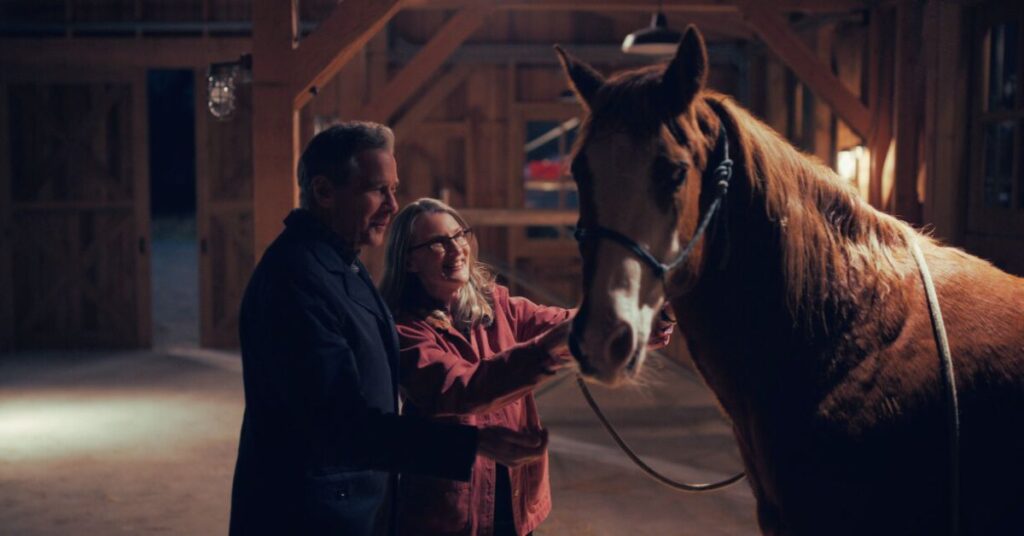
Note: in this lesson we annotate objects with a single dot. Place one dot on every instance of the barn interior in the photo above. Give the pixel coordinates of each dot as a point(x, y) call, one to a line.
point(147, 158)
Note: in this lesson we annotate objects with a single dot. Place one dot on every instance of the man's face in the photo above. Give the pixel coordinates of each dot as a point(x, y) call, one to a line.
point(363, 207)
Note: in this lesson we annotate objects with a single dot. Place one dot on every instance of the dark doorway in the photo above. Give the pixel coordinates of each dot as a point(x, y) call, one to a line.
point(172, 157)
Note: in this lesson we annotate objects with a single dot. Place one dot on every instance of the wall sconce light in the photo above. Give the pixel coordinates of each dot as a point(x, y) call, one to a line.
point(851, 162)
point(222, 80)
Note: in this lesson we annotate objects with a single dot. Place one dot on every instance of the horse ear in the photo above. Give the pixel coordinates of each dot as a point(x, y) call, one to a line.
point(687, 73)
point(583, 79)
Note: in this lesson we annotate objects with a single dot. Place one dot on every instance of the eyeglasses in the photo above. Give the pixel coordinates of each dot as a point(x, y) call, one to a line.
point(441, 244)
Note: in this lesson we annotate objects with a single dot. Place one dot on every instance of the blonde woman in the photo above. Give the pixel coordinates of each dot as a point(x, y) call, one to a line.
point(469, 354)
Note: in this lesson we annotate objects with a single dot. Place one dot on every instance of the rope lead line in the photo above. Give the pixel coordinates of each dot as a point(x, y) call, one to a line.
point(948, 379)
point(678, 486)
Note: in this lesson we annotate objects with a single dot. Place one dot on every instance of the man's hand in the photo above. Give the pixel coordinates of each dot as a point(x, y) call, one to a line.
point(662, 330)
point(511, 448)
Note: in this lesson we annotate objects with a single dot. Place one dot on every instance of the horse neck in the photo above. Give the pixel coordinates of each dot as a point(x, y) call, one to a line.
point(773, 316)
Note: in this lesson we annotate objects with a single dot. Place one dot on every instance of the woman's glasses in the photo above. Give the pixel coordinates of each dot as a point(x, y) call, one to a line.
point(441, 244)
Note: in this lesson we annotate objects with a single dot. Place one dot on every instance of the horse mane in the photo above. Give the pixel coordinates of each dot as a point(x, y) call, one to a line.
point(838, 253)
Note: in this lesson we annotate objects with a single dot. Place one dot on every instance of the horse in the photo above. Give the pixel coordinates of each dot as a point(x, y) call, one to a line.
point(803, 310)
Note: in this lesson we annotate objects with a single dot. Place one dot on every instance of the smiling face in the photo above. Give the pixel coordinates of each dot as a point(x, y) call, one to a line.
point(360, 210)
point(440, 255)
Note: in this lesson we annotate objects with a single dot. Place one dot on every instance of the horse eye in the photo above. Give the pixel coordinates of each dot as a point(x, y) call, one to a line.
point(671, 173)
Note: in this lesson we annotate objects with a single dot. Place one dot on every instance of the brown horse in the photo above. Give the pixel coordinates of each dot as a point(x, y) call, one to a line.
point(803, 310)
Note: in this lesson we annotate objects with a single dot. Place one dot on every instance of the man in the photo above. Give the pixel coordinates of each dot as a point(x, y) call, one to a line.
point(321, 441)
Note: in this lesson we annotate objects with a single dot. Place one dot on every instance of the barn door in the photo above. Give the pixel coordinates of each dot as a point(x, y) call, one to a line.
point(74, 203)
point(223, 215)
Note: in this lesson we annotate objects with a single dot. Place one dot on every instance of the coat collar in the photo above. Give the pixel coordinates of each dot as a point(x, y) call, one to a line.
point(329, 248)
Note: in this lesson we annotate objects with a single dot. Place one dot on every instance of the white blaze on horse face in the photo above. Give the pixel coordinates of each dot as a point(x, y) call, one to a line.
point(624, 295)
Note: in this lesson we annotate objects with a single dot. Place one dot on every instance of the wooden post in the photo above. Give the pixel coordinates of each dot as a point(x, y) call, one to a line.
point(946, 114)
point(909, 88)
point(6, 232)
point(285, 78)
point(880, 94)
point(275, 121)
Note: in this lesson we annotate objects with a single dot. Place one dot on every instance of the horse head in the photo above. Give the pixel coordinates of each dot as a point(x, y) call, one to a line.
point(646, 151)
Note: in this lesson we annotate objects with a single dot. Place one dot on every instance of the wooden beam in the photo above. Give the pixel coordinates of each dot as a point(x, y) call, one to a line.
point(275, 122)
point(150, 52)
point(335, 42)
point(426, 62)
point(700, 6)
point(909, 89)
point(7, 260)
point(496, 217)
point(430, 100)
point(948, 66)
point(769, 25)
point(880, 69)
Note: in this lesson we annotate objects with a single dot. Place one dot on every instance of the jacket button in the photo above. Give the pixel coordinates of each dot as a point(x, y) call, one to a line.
point(341, 494)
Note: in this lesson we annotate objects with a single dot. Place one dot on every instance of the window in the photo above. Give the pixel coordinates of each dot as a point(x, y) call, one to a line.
point(547, 183)
point(997, 178)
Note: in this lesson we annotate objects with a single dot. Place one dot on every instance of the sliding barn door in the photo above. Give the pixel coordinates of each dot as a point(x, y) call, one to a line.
point(74, 203)
point(224, 215)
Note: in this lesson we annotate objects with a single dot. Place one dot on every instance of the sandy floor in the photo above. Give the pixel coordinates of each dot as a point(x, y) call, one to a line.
point(144, 443)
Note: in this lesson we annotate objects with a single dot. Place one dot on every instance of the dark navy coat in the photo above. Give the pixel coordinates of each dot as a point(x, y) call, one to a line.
point(321, 440)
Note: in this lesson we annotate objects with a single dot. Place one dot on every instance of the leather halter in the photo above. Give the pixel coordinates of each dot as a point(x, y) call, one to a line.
point(722, 173)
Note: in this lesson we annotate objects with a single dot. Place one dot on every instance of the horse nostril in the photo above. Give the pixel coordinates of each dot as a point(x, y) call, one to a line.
point(620, 345)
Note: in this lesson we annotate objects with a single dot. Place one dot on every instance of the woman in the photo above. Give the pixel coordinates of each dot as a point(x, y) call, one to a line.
point(470, 354)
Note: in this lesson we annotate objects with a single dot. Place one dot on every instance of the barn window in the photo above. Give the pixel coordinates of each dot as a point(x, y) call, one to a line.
point(547, 184)
point(997, 138)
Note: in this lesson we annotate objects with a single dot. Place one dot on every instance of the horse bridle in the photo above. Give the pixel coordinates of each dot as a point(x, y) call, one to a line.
point(721, 173)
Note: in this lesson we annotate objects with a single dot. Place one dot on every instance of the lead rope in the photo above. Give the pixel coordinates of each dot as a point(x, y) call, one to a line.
point(651, 472)
point(949, 380)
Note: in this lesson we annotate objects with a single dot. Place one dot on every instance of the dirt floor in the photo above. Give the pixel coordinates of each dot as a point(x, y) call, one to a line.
point(144, 443)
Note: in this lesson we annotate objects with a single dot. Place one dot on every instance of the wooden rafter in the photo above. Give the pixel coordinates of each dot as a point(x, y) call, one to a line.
point(149, 52)
point(709, 6)
point(426, 62)
point(437, 93)
point(769, 25)
point(335, 42)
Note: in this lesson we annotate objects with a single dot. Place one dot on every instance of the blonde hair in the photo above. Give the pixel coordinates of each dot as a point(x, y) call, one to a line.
point(474, 304)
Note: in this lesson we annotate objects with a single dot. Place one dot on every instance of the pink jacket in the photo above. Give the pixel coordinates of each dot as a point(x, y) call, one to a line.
point(484, 379)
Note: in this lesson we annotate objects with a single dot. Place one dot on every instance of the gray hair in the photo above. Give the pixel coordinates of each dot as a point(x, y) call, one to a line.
point(332, 153)
point(474, 303)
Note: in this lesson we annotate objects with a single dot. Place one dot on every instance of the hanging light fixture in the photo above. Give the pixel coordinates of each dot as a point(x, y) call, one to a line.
point(655, 40)
point(222, 80)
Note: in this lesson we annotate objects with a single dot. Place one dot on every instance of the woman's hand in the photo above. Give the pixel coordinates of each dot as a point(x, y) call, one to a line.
point(556, 343)
point(662, 330)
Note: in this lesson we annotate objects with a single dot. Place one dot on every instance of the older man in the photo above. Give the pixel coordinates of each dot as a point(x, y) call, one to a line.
point(321, 441)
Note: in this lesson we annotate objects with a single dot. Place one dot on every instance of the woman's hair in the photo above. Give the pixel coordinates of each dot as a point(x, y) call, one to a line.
point(404, 292)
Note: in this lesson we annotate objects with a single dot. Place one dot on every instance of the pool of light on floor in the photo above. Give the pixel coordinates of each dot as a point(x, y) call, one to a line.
point(54, 424)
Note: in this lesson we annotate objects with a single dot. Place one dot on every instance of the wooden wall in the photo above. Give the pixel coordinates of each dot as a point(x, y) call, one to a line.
point(460, 132)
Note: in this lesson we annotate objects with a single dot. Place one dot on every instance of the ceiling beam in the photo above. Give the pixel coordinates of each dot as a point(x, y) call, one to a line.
point(335, 42)
point(426, 62)
point(699, 6)
point(769, 25)
point(419, 111)
point(153, 52)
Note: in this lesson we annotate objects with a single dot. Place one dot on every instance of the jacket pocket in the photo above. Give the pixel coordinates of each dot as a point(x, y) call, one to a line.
point(433, 506)
point(343, 501)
